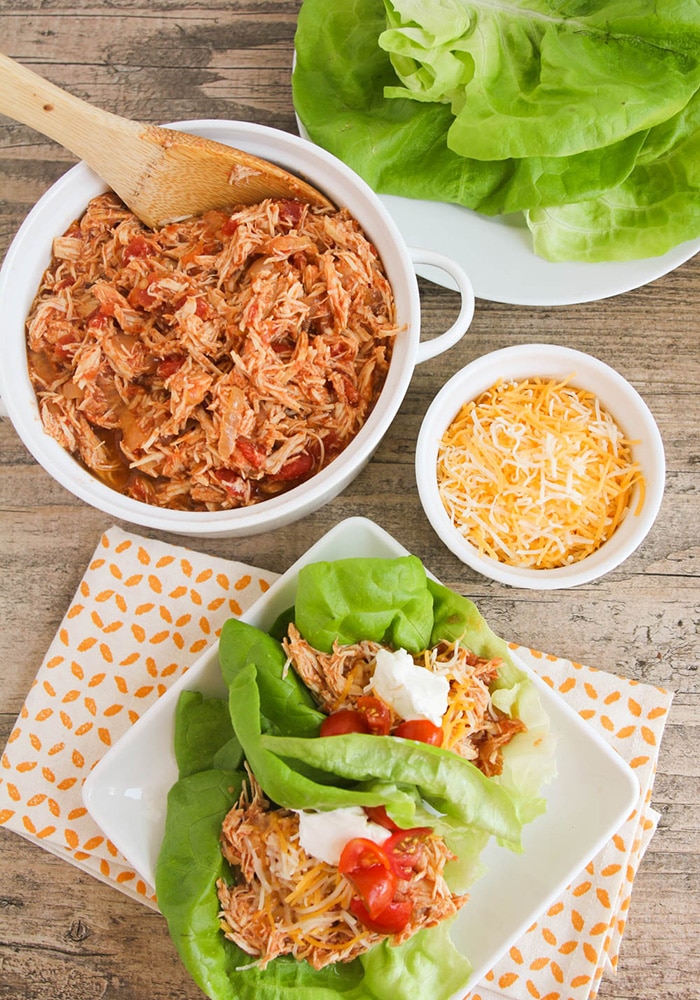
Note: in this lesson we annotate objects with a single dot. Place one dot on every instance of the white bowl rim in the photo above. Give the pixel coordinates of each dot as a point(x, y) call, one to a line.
point(70, 474)
point(589, 372)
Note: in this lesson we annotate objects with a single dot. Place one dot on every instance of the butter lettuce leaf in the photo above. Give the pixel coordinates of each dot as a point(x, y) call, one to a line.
point(401, 146)
point(427, 965)
point(451, 785)
point(552, 109)
point(283, 703)
point(542, 77)
point(654, 209)
point(204, 737)
point(384, 600)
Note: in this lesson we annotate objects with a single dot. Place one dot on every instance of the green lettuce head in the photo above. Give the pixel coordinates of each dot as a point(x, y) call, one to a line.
point(582, 116)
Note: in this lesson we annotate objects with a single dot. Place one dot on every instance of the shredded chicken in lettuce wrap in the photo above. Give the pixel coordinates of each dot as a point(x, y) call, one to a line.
point(288, 902)
point(285, 900)
point(332, 810)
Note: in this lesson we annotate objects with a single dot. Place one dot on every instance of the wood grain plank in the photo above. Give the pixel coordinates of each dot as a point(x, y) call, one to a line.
point(66, 936)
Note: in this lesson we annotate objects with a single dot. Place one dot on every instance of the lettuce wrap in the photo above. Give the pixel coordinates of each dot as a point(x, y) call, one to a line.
point(270, 721)
point(581, 116)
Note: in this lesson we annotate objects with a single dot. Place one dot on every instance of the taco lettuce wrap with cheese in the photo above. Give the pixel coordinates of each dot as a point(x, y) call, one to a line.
point(331, 812)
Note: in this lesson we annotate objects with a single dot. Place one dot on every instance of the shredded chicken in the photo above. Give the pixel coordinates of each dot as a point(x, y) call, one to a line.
point(285, 902)
point(214, 362)
point(336, 679)
point(472, 726)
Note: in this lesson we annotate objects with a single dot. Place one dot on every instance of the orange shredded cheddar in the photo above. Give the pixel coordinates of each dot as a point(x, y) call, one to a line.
point(536, 473)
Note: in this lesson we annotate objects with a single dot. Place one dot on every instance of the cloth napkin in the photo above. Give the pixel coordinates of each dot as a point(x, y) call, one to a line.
point(146, 610)
point(565, 953)
point(143, 613)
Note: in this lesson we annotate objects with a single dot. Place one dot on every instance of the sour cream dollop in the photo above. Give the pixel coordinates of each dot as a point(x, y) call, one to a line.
point(414, 692)
point(323, 835)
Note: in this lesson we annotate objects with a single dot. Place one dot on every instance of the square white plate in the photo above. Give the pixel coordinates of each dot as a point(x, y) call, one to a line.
point(591, 797)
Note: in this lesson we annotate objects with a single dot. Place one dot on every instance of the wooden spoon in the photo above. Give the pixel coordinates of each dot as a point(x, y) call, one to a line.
point(159, 173)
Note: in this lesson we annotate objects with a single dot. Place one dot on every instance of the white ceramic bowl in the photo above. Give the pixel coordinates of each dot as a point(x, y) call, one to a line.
point(616, 395)
point(30, 254)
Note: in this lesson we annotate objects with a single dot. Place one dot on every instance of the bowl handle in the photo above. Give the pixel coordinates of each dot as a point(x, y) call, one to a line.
point(443, 341)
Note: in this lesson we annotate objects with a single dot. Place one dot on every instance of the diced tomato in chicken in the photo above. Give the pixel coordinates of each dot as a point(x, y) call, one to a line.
point(138, 247)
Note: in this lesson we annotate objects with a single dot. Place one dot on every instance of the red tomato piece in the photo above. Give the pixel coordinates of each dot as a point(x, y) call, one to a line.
point(347, 720)
point(421, 730)
point(391, 920)
point(349, 391)
point(291, 212)
point(234, 484)
point(378, 814)
point(97, 320)
point(169, 365)
point(229, 227)
point(137, 248)
point(253, 453)
point(361, 852)
point(405, 850)
point(377, 713)
point(140, 298)
point(201, 306)
point(376, 886)
point(295, 468)
point(202, 309)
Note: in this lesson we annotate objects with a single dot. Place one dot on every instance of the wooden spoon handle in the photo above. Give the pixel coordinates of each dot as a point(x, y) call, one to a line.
point(161, 174)
point(89, 132)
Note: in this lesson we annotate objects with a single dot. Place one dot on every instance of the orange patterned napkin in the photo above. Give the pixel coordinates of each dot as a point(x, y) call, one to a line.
point(564, 954)
point(145, 611)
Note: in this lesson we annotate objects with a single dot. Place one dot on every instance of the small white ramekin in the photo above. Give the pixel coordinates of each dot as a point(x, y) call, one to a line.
point(616, 395)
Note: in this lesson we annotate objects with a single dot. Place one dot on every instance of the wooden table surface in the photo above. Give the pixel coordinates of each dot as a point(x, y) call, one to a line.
point(65, 936)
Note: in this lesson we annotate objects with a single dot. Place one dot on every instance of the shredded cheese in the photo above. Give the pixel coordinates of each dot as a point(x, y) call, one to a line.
point(303, 909)
point(536, 473)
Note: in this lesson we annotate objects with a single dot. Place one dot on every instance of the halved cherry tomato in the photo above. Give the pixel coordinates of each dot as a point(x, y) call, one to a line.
point(378, 814)
point(347, 720)
point(377, 713)
point(376, 886)
point(391, 920)
point(421, 730)
point(367, 866)
point(405, 850)
point(361, 852)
